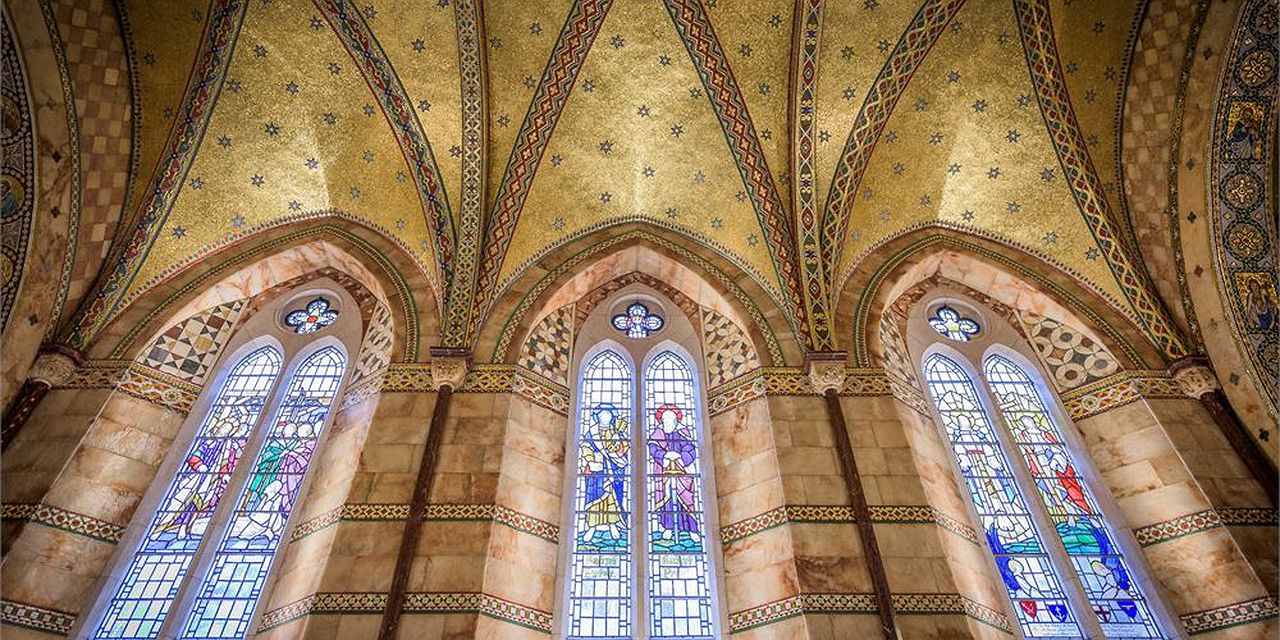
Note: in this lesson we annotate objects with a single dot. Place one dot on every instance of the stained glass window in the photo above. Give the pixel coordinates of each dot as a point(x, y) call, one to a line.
point(637, 321)
point(156, 571)
point(1116, 598)
point(951, 324)
point(1040, 603)
point(601, 570)
point(316, 316)
point(679, 602)
point(230, 590)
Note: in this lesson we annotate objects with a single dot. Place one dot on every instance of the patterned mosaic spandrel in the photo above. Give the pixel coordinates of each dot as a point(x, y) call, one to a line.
point(1035, 589)
point(1117, 600)
point(679, 591)
point(601, 562)
point(229, 592)
point(142, 601)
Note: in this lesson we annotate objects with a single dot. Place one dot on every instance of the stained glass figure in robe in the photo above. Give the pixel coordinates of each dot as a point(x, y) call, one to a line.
point(1118, 601)
point(154, 575)
point(679, 594)
point(601, 569)
point(1040, 603)
point(230, 590)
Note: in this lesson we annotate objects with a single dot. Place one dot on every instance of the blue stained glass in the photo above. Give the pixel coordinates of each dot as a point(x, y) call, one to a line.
point(1118, 602)
point(680, 604)
point(151, 582)
point(1040, 603)
point(229, 592)
point(948, 322)
point(638, 322)
point(601, 565)
point(315, 317)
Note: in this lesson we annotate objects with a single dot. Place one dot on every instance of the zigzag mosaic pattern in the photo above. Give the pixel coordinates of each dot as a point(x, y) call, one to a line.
point(838, 514)
point(331, 603)
point(208, 72)
point(1232, 615)
point(911, 49)
point(690, 19)
point(804, 79)
point(1036, 29)
point(864, 604)
point(29, 616)
point(441, 512)
point(358, 39)
point(579, 32)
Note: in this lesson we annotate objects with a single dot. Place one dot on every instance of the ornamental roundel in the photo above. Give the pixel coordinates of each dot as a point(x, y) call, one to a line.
point(1257, 67)
point(315, 316)
point(1245, 240)
point(1242, 191)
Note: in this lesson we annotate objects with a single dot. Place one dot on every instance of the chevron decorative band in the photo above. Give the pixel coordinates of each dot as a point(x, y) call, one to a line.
point(444, 512)
point(471, 67)
point(336, 603)
point(839, 514)
point(864, 604)
point(62, 519)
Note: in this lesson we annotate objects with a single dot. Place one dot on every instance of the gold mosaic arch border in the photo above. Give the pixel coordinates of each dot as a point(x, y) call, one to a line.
point(862, 309)
point(408, 304)
point(511, 325)
point(617, 221)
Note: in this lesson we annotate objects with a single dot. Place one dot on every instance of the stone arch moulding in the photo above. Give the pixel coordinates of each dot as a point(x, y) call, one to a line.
point(254, 267)
point(992, 269)
point(577, 268)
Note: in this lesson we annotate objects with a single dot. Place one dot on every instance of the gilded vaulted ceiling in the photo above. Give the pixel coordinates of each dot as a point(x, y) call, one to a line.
point(791, 138)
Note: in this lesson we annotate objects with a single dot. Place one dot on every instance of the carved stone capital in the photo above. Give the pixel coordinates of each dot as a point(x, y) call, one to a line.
point(1194, 376)
point(449, 366)
point(826, 370)
point(54, 365)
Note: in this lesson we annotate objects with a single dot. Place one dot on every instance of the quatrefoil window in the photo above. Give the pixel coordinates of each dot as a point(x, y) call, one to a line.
point(316, 316)
point(637, 321)
point(951, 324)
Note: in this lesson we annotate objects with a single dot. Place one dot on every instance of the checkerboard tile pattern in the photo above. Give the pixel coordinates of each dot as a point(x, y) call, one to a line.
point(729, 353)
point(546, 351)
point(99, 68)
point(187, 349)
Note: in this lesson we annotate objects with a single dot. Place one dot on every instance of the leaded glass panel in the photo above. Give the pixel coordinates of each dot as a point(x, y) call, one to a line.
point(679, 592)
point(1040, 602)
point(1117, 600)
point(601, 570)
point(229, 592)
point(154, 575)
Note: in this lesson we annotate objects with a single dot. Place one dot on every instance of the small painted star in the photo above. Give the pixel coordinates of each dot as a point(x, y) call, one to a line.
point(642, 111)
point(1072, 67)
point(1099, 26)
point(317, 23)
point(699, 176)
point(1024, 101)
point(423, 105)
point(740, 196)
point(744, 50)
point(953, 169)
point(419, 45)
point(1013, 207)
point(664, 60)
point(455, 151)
point(935, 138)
point(370, 12)
point(606, 147)
point(234, 86)
point(1003, 38)
point(606, 197)
point(1047, 174)
point(695, 93)
point(335, 68)
point(495, 43)
point(354, 191)
point(556, 159)
point(224, 141)
point(1090, 95)
point(617, 42)
point(677, 130)
point(1050, 238)
point(294, 205)
point(588, 85)
point(648, 172)
point(993, 173)
point(926, 200)
point(530, 82)
point(313, 164)
point(717, 223)
point(292, 88)
point(257, 180)
point(921, 104)
point(953, 76)
point(330, 118)
point(504, 120)
point(196, 183)
point(272, 129)
point(671, 213)
point(179, 231)
point(237, 221)
point(898, 168)
point(824, 136)
point(535, 28)
point(848, 93)
point(558, 224)
point(846, 52)
point(368, 110)
point(149, 58)
point(753, 239)
point(883, 46)
point(892, 136)
point(775, 21)
point(367, 156)
point(967, 215)
point(763, 88)
point(259, 51)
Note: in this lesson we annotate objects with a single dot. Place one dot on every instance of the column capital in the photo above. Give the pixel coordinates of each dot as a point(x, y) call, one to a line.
point(54, 364)
point(449, 366)
point(826, 370)
point(1194, 376)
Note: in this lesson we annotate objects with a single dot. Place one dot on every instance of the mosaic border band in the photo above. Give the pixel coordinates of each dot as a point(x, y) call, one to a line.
point(1119, 390)
point(29, 616)
point(442, 512)
point(63, 520)
point(864, 604)
point(840, 514)
point(1206, 520)
point(1232, 615)
point(136, 380)
point(338, 603)
point(415, 377)
point(791, 381)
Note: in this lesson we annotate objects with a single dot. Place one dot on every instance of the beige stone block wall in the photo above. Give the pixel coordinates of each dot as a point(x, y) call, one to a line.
point(97, 463)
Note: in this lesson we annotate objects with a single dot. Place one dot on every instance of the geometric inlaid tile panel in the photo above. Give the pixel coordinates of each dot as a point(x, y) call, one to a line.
point(1072, 357)
point(187, 349)
point(728, 351)
point(547, 350)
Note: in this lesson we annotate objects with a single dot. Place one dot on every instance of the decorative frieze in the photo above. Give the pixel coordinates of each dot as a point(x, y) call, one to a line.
point(1119, 390)
point(136, 380)
point(62, 519)
point(864, 604)
point(36, 618)
point(1203, 521)
point(1231, 615)
point(793, 381)
point(841, 514)
point(333, 603)
point(444, 512)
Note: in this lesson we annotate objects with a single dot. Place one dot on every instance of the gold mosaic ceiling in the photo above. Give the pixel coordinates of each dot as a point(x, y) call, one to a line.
point(638, 133)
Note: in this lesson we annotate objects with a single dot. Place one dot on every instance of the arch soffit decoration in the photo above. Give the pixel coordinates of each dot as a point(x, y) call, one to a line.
point(265, 266)
point(989, 269)
point(530, 297)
